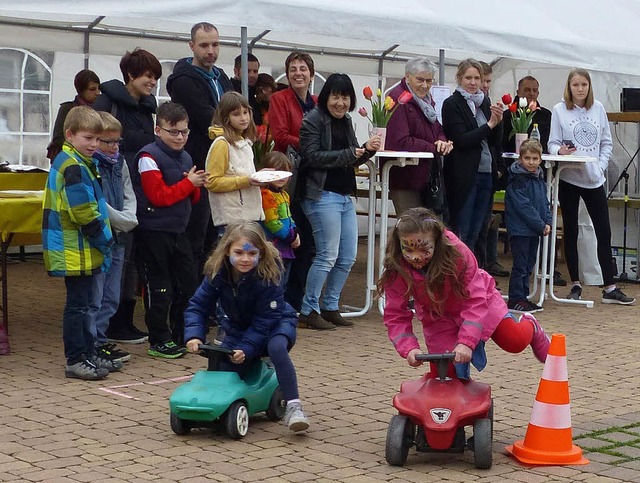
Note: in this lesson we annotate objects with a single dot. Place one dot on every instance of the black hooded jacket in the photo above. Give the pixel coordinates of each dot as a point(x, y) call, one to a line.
point(188, 87)
point(136, 116)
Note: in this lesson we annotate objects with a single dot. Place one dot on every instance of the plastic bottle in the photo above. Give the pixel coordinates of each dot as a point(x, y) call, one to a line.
point(535, 133)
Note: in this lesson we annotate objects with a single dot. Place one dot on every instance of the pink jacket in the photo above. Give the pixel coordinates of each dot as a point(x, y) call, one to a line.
point(464, 321)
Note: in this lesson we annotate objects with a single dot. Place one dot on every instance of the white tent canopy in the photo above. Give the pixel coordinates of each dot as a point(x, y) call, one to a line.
point(594, 34)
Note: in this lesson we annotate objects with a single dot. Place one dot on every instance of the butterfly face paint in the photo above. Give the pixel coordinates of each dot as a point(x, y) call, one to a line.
point(243, 255)
point(417, 249)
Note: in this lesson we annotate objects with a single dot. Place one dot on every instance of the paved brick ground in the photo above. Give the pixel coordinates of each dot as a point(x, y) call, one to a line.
point(56, 429)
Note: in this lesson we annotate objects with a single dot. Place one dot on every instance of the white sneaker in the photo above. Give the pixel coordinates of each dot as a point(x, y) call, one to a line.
point(294, 417)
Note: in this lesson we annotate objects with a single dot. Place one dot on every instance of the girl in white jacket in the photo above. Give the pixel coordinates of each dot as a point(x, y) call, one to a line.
point(579, 125)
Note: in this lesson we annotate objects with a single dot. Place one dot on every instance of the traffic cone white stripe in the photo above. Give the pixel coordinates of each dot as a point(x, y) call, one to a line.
point(555, 369)
point(553, 416)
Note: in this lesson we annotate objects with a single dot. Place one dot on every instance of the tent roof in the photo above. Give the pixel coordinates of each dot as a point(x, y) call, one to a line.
point(592, 34)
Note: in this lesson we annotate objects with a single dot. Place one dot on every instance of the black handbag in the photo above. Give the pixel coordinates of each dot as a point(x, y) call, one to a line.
point(433, 193)
point(295, 187)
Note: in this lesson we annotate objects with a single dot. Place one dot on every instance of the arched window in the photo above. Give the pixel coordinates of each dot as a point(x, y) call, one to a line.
point(161, 88)
point(25, 106)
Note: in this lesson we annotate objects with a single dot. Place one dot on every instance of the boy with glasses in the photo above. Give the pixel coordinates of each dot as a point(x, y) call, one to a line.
point(121, 205)
point(166, 184)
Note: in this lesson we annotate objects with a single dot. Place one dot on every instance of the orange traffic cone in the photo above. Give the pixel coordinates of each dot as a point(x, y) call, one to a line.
point(548, 440)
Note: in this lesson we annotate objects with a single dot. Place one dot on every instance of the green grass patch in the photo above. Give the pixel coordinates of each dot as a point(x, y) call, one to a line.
point(610, 449)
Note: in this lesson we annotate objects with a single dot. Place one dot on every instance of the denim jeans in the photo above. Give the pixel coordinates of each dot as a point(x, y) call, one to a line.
point(472, 214)
point(106, 295)
point(335, 232)
point(77, 333)
point(524, 250)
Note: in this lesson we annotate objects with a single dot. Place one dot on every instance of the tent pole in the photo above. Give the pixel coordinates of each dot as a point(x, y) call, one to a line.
point(244, 61)
point(381, 63)
point(441, 67)
point(87, 33)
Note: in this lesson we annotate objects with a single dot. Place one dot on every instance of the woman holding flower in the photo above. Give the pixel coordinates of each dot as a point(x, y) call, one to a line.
point(330, 152)
point(475, 127)
point(414, 127)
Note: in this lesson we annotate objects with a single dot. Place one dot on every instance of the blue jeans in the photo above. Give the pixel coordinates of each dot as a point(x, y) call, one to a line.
point(335, 232)
point(77, 331)
point(524, 250)
point(106, 295)
point(472, 214)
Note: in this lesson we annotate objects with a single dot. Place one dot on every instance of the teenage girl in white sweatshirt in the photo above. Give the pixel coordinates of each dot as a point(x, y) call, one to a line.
point(579, 125)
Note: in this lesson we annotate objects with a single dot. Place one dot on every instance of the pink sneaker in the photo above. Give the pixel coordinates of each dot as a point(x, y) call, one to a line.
point(540, 341)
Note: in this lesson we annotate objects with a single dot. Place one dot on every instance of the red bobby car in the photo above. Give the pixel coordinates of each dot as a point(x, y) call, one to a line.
point(434, 410)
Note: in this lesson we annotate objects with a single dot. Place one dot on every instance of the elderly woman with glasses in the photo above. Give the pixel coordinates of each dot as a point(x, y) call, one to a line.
point(414, 127)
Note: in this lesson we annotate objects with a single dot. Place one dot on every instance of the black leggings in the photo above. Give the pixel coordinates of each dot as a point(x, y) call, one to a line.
point(595, 200)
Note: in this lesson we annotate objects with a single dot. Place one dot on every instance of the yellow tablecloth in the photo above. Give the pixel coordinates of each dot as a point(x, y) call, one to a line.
point(23, 218)
point(23, 181)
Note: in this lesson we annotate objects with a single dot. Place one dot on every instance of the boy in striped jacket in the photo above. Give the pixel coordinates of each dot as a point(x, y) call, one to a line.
point(77, 238)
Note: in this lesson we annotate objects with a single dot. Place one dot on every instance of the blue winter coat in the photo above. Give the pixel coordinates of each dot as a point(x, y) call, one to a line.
point(526, 205)
point(255, 311)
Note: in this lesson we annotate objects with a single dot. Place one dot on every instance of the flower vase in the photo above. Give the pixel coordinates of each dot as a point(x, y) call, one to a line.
point(520, 138)
point(382, 132)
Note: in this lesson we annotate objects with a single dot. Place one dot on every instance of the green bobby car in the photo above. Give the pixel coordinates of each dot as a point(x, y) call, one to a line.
point(213, 397)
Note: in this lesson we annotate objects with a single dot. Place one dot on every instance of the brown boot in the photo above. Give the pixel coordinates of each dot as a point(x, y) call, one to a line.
point(314, 321)
point(335, 318)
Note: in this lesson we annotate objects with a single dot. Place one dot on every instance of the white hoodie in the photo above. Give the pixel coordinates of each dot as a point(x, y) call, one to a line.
point(589, 130)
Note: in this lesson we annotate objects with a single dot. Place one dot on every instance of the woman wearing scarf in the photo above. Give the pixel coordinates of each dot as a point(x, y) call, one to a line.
point(475, 127)
point(414, 127)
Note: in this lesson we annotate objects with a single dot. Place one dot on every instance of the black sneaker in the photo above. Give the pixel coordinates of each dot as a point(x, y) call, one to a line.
point(558, 281)
point(167, 350)
point(576, 293)
point(496, 270)
point(616, 296)
point(523, 306)
point(108, 364)
point(111, 352)
point(126, 336)
point(85, 370)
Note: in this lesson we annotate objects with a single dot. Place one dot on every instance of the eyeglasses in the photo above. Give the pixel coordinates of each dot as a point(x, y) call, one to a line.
point(176, 132)
point(112, 143)
point(422, 80)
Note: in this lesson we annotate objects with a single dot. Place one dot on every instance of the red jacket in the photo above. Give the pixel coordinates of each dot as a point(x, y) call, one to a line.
point(409, 130)
point(285, 119)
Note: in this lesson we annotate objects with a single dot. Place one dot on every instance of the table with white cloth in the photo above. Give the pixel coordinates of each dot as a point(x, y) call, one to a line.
point(543, 269)
point(379, 179)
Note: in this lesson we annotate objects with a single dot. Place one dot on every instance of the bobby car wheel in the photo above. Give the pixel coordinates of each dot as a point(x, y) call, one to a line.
point(178, 425)
point(236, 420)
point(277, 406)
point(400, 436)
point(482, 444)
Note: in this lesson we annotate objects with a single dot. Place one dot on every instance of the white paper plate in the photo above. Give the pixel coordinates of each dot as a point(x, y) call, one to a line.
point(270, 176)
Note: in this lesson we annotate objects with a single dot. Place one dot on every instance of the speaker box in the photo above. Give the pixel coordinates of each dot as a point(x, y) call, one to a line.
point(630, 99)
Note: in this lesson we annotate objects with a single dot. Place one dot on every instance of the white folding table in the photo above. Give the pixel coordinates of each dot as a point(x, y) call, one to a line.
point(390, 158)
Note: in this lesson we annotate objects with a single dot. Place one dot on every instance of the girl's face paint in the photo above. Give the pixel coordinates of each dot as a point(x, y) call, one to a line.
point(417, 249)
point(243, 255)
